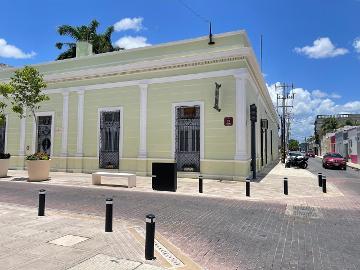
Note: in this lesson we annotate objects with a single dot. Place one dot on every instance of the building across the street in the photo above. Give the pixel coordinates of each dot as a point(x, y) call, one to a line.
point(345, 141)
point(341, 119)
point(186, 101)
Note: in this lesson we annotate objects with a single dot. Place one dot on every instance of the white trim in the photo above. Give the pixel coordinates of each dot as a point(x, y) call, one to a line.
point(167, 61)
point(52, 114)
point(6, 132)
point(121, 139)
point(187, 77)
point(143, 121)
point(65, 124)
point(202, 121)
point(80, 124)
point(22, 135)
point(241, 108)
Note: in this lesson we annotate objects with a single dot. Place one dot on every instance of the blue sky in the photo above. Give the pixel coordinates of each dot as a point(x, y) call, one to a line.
point(326, 73)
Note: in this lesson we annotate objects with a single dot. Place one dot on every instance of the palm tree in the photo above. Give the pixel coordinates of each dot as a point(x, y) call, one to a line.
point(101, 42)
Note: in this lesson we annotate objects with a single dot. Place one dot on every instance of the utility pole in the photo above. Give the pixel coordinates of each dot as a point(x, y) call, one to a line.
point(284, 116)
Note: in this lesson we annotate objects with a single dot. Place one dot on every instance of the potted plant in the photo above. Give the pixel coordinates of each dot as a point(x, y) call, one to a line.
point(38, 166)
point(25, 94)
point(4, 164)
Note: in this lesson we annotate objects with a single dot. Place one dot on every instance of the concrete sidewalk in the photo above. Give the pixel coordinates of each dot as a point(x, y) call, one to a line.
point(63, 240)
point(302, 184)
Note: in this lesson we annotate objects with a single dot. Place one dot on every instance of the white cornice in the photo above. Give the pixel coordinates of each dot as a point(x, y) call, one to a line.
point(149, 65)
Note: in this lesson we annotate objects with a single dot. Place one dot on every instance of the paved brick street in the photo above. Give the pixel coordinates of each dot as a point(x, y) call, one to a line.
point(307, 232)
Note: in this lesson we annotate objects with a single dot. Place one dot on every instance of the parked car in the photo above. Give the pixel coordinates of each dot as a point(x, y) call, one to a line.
point(296, 159)
point(334, 160)
point(310, 154)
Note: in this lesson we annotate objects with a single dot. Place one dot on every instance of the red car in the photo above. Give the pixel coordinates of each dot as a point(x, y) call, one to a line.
point(334, 160)
point(310, 154)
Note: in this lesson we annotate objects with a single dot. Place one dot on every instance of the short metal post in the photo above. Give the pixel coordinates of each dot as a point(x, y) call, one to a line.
point(248, 187)
point(109, 215)
point(200, 184)
point(42, 194)
point(150, 237)
point(286, 191)
point(324, 184)
point(320, 179)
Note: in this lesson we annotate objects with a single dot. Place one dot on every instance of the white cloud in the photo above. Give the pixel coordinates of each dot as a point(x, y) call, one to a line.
point(321, 48)
point(307, 104)
point(318, 93)
point(129, 42)
point(321, 94)
point(10, 51)
point(129, 24)
point(356, 44)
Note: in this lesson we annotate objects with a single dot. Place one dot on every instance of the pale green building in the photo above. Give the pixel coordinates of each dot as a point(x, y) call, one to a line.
point(124, 110)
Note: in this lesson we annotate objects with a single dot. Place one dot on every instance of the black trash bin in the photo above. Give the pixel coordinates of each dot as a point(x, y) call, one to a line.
point(164, 176)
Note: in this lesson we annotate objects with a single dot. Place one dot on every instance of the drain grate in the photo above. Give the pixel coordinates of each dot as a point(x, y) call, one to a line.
point(169, 257)
point(303, 211)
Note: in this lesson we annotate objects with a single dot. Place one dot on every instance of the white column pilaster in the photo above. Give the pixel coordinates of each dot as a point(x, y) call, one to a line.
point(65, 124)
point(241, 139)
point(22, 135)
point(143, 120)
point(80, 126)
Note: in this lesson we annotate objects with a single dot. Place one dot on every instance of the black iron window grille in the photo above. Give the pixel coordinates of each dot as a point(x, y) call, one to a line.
point(109, 139)
point(187, 138)
point(44, 134)
point(2, 136)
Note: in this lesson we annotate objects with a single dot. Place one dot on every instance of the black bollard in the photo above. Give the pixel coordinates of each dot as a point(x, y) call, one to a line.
point(247, 187)
point(200, 184)
point(42, 194)
point(109, 215)
point(286, 186)
point(324, 184)
point(320, 179)
point(150, 237)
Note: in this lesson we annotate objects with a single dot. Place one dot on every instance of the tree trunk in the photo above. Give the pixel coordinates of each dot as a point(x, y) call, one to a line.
point(36, 131)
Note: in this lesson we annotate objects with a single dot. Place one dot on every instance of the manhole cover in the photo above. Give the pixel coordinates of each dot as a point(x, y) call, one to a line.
point(303, 211)
point(68, 240)
point(169, 257)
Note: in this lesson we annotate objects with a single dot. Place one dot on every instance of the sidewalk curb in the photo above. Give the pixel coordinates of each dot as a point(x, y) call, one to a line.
point(189, 264)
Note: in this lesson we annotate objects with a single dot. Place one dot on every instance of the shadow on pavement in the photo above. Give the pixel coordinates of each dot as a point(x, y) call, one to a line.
point(265, 171)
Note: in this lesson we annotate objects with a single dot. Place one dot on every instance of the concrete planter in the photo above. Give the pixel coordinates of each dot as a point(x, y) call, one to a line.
point(4, 167)
point(38, 170)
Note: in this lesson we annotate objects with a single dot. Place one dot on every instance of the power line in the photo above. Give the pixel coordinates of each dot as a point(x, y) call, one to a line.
point(193, 11)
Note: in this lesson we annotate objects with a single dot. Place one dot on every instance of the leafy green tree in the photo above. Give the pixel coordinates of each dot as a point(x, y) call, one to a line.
point(25, 92)
point(330, 124)
point(5, 91)
point(101, 42)
point(294, 145)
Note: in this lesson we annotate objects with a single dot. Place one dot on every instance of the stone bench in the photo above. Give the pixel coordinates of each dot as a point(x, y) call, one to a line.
point(96, 177)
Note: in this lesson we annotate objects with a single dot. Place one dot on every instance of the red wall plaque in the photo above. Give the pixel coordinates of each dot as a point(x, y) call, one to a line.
point(228, 121)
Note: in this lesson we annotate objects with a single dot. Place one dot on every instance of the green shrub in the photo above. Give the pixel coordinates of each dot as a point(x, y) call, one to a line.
point(38, 156)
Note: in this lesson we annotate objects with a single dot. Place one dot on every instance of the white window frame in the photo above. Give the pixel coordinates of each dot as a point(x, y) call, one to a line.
point(202, 121)
point(111, 109)
point(52, 114)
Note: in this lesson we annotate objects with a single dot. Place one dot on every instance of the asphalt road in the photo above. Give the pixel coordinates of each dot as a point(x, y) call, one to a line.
point(348, 181)
point(222, 233)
